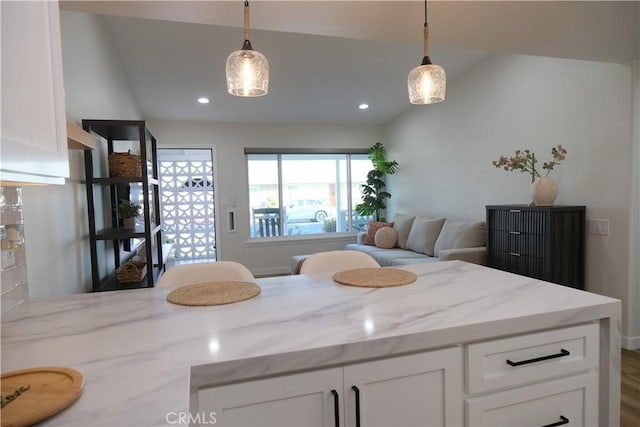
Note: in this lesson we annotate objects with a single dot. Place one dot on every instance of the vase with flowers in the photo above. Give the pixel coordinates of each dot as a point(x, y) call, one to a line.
point(543, 189)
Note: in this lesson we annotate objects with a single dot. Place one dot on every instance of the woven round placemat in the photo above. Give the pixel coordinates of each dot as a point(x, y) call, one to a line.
point(213, 293)
point(374, 277)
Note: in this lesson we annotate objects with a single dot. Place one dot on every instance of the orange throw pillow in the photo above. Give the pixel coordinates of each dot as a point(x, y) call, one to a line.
point(372, 228)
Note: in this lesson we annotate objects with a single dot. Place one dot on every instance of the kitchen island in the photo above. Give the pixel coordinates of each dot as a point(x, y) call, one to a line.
point(147, 362)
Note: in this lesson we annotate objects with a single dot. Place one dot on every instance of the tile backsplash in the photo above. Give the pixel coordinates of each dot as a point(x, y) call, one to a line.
point(13, 266)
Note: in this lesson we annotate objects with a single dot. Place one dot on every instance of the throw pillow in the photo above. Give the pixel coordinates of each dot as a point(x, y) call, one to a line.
point(372, 228)
point(460, 234)
point(402, 224)
point(385, 238)
point(423, 235)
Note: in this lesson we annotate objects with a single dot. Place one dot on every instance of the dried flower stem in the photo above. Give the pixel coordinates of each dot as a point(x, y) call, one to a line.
point(525, 161)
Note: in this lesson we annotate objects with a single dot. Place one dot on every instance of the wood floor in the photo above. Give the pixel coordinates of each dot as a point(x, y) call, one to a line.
point(630, 405)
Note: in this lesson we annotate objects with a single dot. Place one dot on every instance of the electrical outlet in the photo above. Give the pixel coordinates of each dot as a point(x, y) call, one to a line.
point(599, 226)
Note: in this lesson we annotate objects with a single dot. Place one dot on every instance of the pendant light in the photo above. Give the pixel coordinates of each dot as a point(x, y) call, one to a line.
point(247, 69)
point(427, 82)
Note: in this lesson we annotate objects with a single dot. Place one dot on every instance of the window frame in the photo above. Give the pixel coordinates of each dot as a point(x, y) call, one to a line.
point(279, 153)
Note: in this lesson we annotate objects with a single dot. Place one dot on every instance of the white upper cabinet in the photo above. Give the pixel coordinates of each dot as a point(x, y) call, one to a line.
point(34, 139)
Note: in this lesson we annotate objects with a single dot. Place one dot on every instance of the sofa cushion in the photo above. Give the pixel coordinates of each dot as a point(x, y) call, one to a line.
point(362, 248)
point(372, 228)
point(402, 224)
point(460, 234)
point(423, 235)
point(409, 261)
point(386, 238)
point(385, 257)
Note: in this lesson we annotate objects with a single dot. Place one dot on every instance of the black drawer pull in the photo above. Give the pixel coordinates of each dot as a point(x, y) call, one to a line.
point(562, 353)
point(357, 390)
point(563, 420)
point(514, 254)
point(514, 232)
point(336, 407)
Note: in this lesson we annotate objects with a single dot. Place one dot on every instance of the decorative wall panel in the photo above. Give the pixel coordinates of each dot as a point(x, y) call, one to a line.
point(186, 195)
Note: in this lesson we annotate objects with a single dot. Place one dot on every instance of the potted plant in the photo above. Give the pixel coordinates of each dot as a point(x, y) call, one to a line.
point(373, 192)
point(329, 225)
point(128, 211)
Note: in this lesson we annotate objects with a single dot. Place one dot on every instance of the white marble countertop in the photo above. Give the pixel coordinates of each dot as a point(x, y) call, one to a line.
point(140, 354)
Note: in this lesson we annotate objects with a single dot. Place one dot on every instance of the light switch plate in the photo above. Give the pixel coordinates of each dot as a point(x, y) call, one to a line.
point(599, 226)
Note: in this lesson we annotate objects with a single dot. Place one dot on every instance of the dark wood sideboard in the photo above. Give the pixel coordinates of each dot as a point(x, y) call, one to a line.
point(544, 242)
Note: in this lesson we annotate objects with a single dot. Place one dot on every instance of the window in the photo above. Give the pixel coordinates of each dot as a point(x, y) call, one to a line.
point(305, 193)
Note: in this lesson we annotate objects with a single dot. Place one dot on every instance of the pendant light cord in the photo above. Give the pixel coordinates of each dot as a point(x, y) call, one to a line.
point(426, 31)
point(246, 19)
point(425, 13)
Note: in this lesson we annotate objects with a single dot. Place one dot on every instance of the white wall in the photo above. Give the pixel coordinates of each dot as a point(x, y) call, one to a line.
point(633, 334)
point(228, 141)
point(55, 217)
point(515, 102)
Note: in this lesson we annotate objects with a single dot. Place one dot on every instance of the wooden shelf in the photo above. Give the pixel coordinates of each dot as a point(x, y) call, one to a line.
point(120, 233)
point(110, 283)
point(123, 180)
point(79, 139)
point(124, 130)
point(123, 241)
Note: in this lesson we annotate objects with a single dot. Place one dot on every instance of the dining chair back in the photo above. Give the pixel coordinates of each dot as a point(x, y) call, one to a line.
point(333, 261)
point(188, 274)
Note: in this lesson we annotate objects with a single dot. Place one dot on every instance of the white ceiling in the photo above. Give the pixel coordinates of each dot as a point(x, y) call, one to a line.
point(327, 57)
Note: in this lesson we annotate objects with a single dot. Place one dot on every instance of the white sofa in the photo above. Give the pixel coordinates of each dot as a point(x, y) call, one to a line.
point(421, 239)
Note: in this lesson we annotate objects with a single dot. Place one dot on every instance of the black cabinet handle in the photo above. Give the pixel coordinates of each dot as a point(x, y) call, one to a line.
point(563, 420)
point(357, 390)
point(514, 232)
point(514, 254)
point(562, 353)
point(336, 407)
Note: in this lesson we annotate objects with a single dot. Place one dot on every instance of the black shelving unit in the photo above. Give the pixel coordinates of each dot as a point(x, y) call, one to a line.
point(119, 244)
point(544, 242)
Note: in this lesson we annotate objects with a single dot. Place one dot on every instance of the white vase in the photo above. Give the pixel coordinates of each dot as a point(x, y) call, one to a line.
point(544, 191)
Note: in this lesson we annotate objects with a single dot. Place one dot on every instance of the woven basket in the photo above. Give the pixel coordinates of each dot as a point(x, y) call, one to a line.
point(124, 164)
point(131, 272)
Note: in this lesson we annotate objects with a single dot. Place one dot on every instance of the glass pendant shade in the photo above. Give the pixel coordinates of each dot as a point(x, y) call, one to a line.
point(247, 69)
point(427, 83)
point(247, 73)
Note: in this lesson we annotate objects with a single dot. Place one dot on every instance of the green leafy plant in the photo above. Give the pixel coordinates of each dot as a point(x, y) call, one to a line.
point(128, 209)
point(374, 194)
point(525, 161)
point(329, 225)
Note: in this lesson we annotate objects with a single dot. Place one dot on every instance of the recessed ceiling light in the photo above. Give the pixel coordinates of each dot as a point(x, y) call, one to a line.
point(203, 100)
point(363, 106)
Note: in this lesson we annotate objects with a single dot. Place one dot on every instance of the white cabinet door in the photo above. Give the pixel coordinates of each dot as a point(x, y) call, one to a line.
point(292, 400)
point(34, 142)
point(418, 390)
point(423, 389)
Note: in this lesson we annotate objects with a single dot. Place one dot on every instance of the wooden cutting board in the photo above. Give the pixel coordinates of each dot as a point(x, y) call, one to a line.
point(32, 395)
